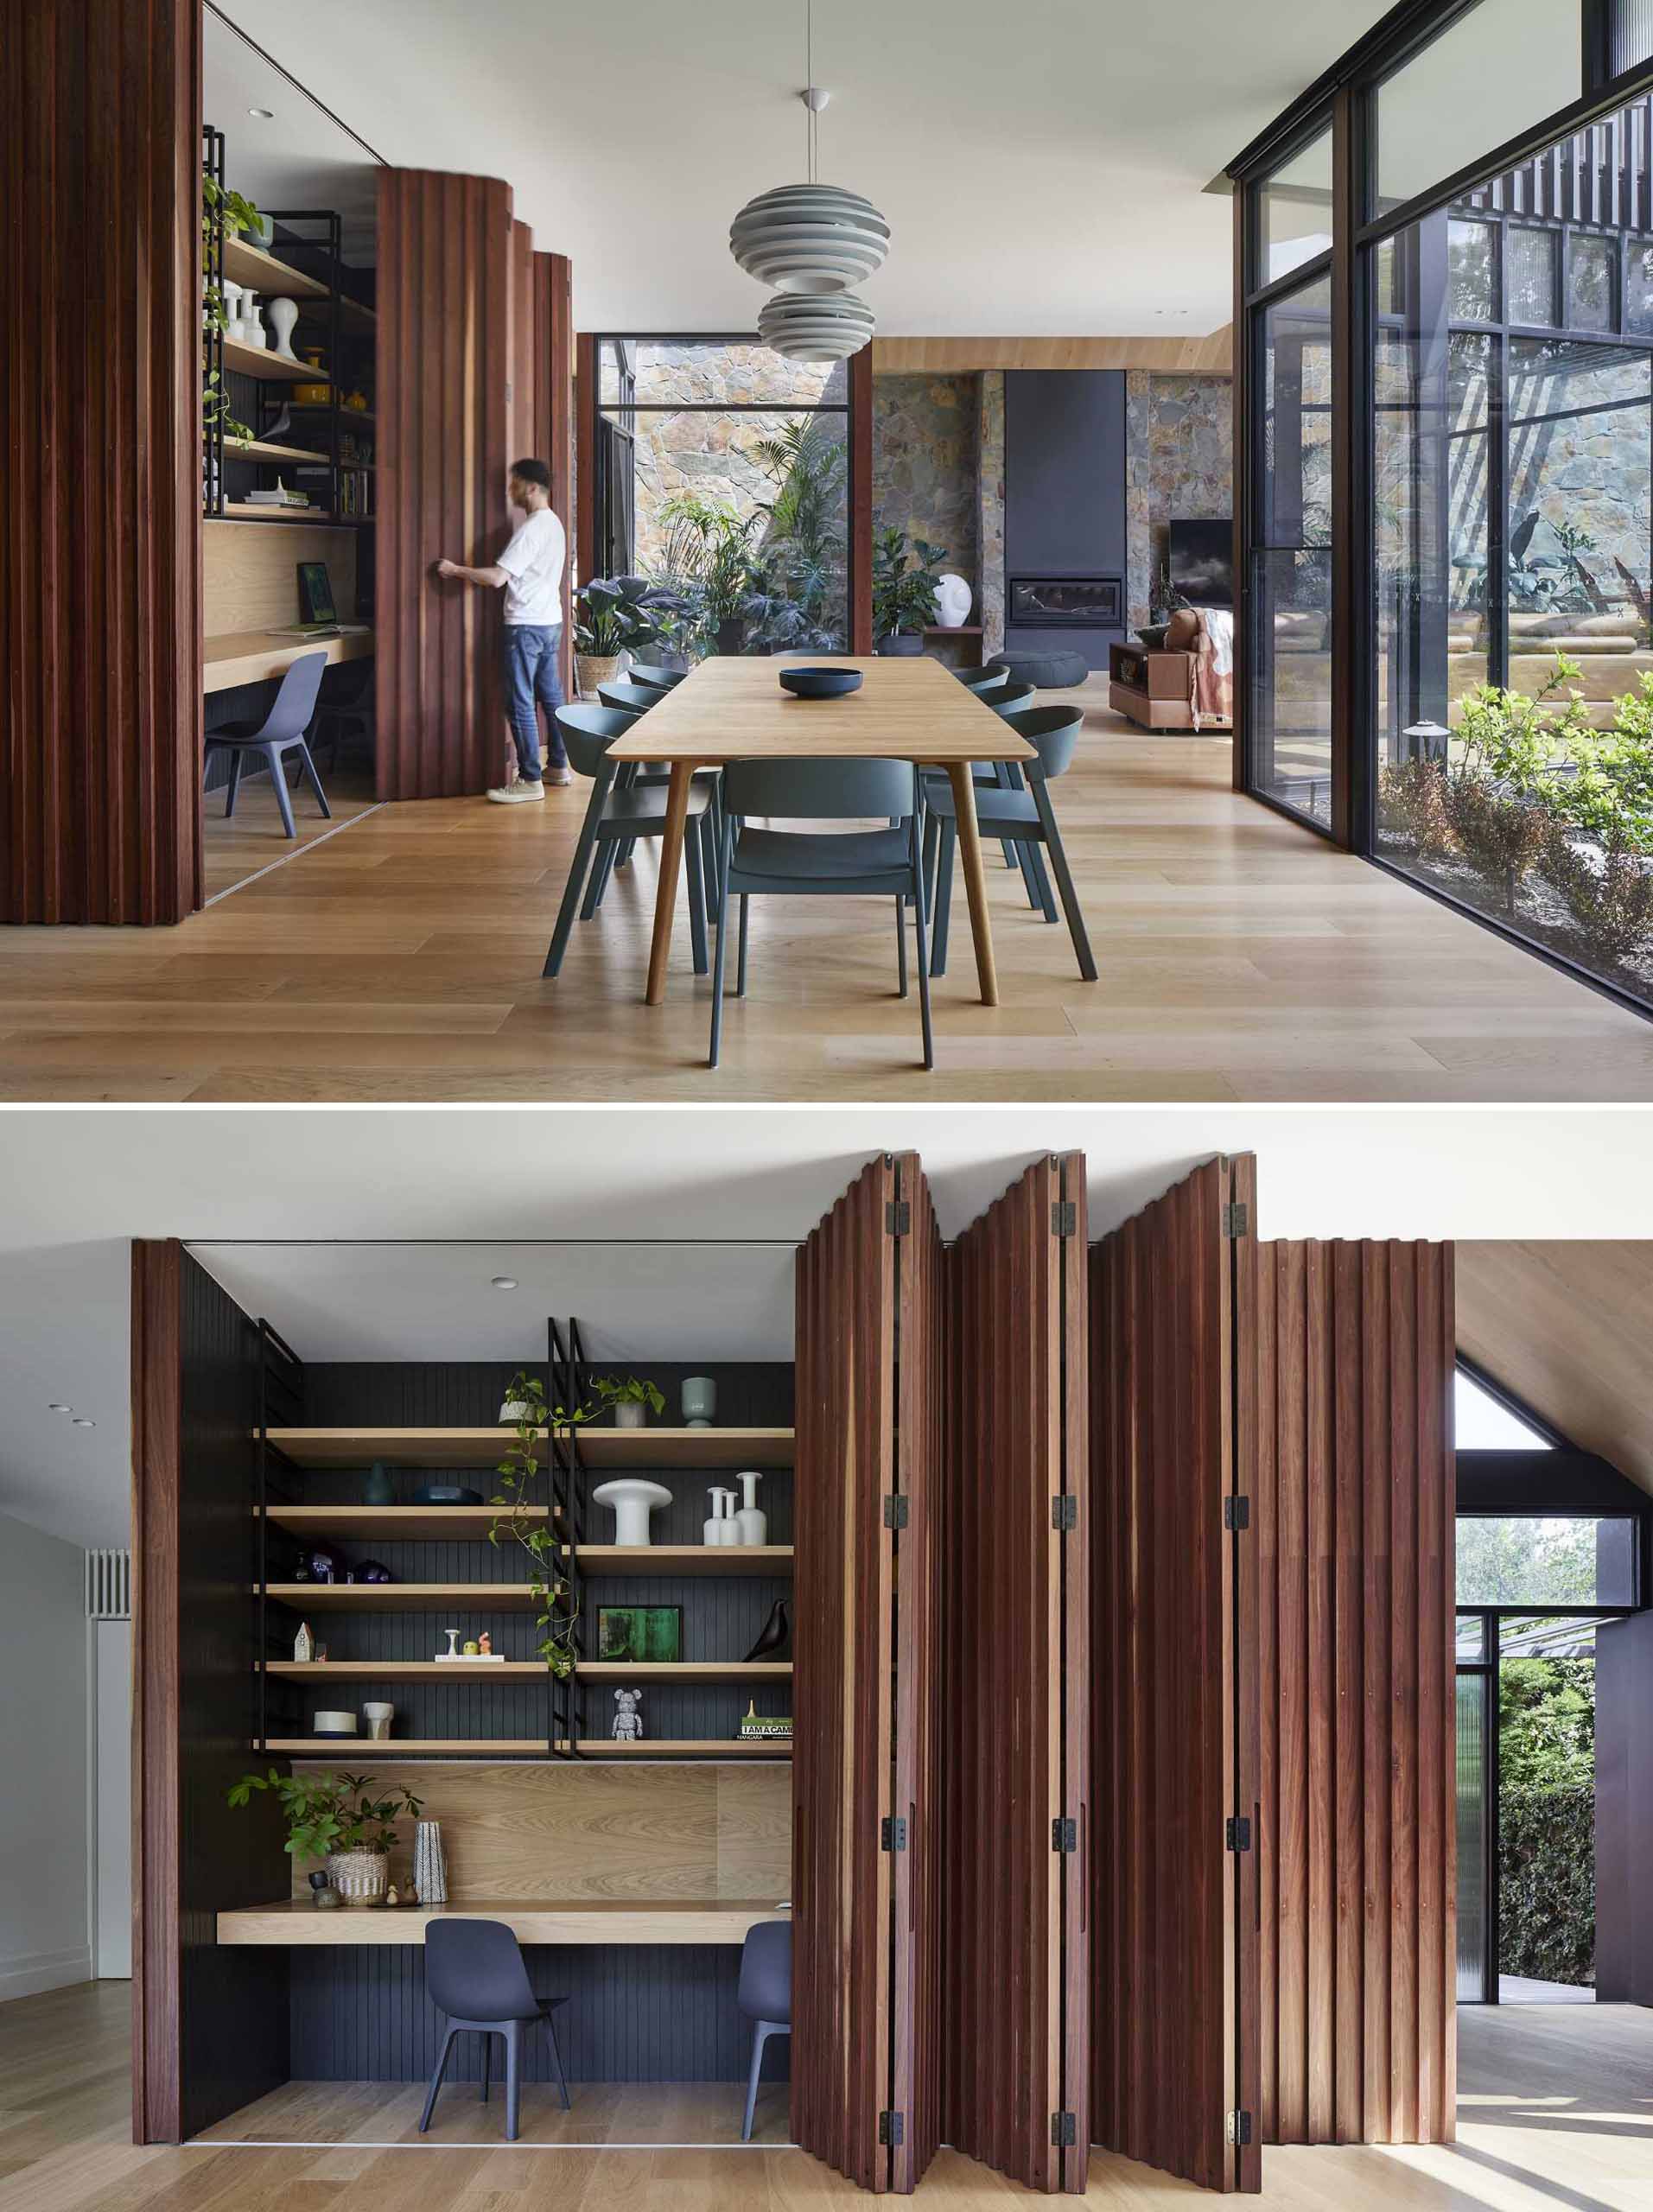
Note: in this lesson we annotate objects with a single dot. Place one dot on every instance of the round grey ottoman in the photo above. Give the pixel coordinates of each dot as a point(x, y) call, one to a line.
point(1046, 671)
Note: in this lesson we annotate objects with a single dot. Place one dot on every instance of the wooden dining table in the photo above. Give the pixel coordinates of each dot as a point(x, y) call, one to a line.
point(732, 709)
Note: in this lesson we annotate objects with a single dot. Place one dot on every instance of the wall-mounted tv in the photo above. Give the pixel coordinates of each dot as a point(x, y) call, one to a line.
point(1202, 562)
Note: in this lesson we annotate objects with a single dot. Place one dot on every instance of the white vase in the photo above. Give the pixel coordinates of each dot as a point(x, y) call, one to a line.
point(378, 1719)
point(708, 1531)
point(751, 1521)
point(283, 313)
point(252, 329)
point(633, 1500)
point(952, 602)
point(233, 294)
point(728, 1529)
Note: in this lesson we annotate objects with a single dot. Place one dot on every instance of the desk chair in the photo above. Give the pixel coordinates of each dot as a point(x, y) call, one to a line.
point(346, 708)
point(764, 1995)
point(284, 730)
point(474, 1973)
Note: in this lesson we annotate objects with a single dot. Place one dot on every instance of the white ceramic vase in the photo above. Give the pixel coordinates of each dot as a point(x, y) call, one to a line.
point(233, 294)
point(378, 1719)
point(283, 313)
point(751, 1521)
point(252, 332)
point(633, 1500)
point(952, 602)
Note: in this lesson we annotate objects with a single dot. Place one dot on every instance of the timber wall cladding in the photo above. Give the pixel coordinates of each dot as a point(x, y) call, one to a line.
point(1174, 1975)
point(100, 549)
point(1015, 1666)
point(1355, 1863)
point(445, 374)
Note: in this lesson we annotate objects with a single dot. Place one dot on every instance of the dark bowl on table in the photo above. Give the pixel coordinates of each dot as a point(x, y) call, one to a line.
point(820, 682)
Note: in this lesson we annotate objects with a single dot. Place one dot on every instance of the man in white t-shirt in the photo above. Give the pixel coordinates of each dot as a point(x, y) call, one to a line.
point(531, 569)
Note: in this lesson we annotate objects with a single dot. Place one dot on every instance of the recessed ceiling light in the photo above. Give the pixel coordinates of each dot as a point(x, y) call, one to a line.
point(504, 1282)
point(80, 1422)
point(264, 114)
point(55, 1408)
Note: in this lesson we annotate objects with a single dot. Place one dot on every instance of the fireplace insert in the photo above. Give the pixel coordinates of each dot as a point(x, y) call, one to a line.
point(1066, 603)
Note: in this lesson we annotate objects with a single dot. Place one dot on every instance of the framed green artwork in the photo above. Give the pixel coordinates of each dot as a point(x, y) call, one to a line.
point(653, 1634)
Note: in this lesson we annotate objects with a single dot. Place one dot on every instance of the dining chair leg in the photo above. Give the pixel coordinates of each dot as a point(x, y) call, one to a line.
point(932, 846)
point(557, 2060)
point(1004, 777)
point(436, 2080)
point(900, 947)
point(577, 868)
point(740, 966)
point(1071, 908)
point(722, 941)
point(708, 860)
point(1035, 882)
point(600, 874)
point(943, 901)
point(693, 861)
point(308, 767)
point(487, 2064)
point(924, 968)
point(513, 2032)
point(235, 781)
point(278, 777)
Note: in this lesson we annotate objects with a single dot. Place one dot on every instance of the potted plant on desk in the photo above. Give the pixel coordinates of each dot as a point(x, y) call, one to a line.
point(904, 591)
point(332, 1817)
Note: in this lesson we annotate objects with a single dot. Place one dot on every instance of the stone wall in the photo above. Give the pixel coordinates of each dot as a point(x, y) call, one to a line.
point(925, 464)
point(1179, 462)
point(989, 509)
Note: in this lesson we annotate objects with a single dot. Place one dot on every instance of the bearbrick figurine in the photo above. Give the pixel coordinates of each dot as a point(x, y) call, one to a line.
point(628, 1721)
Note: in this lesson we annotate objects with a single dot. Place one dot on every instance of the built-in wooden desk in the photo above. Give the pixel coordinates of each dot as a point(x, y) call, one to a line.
point(296, 1921)
point(259, 656)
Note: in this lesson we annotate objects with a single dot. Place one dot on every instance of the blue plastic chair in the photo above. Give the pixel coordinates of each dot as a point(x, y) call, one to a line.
point(764, 1995)
point(1025, 817)
point(474, 1973)
point(284, 729)
point(840, 864)
point(614, 816)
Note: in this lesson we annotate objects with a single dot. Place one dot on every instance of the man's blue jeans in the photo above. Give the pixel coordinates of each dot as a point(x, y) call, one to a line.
point(531, 674)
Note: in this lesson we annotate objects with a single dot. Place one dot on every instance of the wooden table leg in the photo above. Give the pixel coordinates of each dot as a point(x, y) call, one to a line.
point(970, 853)
point(665, 899)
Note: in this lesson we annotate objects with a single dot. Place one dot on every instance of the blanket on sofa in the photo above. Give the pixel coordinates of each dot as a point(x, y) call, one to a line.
point(1210, 668)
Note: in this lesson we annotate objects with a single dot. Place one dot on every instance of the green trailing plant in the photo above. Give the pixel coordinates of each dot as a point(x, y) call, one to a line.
point(612, 615)
point(327, 1813)
point(224, 214)
point(613, 1390)
point(555, 1613)
point(906, 575)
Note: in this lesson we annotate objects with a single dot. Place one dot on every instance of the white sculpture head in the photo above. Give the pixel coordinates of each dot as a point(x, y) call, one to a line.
point(952, 602)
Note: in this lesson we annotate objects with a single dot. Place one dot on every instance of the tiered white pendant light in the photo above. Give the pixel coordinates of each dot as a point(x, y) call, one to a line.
point(811, 242)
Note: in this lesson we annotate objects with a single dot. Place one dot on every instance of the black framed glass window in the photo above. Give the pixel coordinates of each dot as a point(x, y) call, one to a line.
point(1548, 1559)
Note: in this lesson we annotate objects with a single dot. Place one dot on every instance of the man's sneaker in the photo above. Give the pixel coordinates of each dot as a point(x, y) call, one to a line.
point(514, 794)
point(559, 776)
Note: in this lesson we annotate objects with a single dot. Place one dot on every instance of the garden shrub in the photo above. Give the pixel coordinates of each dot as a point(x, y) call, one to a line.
point(1608, 893)
point(1547, 1882)
point(1413, 796)
point(1501, 836)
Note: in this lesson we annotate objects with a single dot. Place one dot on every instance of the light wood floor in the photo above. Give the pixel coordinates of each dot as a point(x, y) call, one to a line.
point(1555, 2108)
point(1241, 957)
point(239, 845)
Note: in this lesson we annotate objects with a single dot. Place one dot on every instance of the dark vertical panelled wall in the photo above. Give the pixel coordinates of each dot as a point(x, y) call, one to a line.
point(210, 2024)
point(445, 378)
point(1352, 1476)
point(1014, 1605)
point(100, 546)
point(1173, 1705)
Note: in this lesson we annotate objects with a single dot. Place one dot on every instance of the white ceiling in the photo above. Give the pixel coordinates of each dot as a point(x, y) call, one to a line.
point(1042, 163)
point(299, 158)
point(74, 1186)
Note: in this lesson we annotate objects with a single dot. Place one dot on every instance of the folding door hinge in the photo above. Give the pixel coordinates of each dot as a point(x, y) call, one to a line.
point(1064, 2130)
point(898, 1217)
point(1239, 2128)
point(1065, 1834)
point(1237, 1831)
point(892, 2128)
point(1064, 1218)
point(892, 1832)
point(1065, 1511)
point(896, 1509)
point(1235, 1221)
point(1237, 1513)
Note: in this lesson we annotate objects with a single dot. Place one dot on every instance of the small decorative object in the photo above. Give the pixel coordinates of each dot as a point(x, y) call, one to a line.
point(391, 1894)
point(369, 1570)
point(452, 1652)
point(632, 1400)
point(472, 1648)
point(317, 394)
point(512, 1411)
point(775, 1638)
point(752, 1522)
point(321, 1654)
point(378, 1719)
point(753, 1723)
point(333, 1724)
point(952, 601)
point(628, 1721)
point(378, 1490)
point(633, 1500)
point(708, 1530)
point(820, 682)
point(323, 1896)
point(643, 1635)
point(361, 1878)
point(485, 1644)
point(260, 228)
point(304, 1645)
point(283, 313)
point(323, 1564)
point(253, 329)
point(728, 1529)
point(447, 1494)
point(699, 1400)
point(429, 1865)
point(231, 309)
point(356, 400)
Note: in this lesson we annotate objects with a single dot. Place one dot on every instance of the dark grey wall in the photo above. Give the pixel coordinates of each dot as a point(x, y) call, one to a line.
point(1624, 1811)
point(1064, 489)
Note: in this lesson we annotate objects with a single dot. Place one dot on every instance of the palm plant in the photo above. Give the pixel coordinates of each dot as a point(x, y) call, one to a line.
point(798, 574)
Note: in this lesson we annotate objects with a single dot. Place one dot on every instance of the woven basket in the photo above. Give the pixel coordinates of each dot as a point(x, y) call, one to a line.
point(361, 1878)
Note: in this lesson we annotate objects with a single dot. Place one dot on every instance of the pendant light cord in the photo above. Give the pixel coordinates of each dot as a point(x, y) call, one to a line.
point(809, 78)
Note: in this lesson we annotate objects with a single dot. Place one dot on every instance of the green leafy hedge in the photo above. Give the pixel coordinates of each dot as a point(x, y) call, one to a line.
point(1547, 1882)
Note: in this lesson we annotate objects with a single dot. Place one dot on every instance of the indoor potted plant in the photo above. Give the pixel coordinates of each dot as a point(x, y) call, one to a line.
point(610, 619)
point(712, 546)
point(632, 1400)
point(904, 596)
point(334, 1818)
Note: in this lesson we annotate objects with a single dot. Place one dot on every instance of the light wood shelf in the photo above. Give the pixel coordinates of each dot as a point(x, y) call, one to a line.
point(262, 449)
point(246, 263)
point(683, 1558)
point(256, 511)
point(407, 1670)
point(689, 1747)
point(685, 1670)
point(268, 366)
point(600, 1448)
point(405, 1596)
point(295, 1921)
point(448, 1524)
point(317, 407)
point(329, 1749)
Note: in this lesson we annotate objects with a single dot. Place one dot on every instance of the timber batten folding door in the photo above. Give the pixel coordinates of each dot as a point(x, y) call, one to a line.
point(1014, 1703)
point(1173, 1700)
point(864, 1829)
